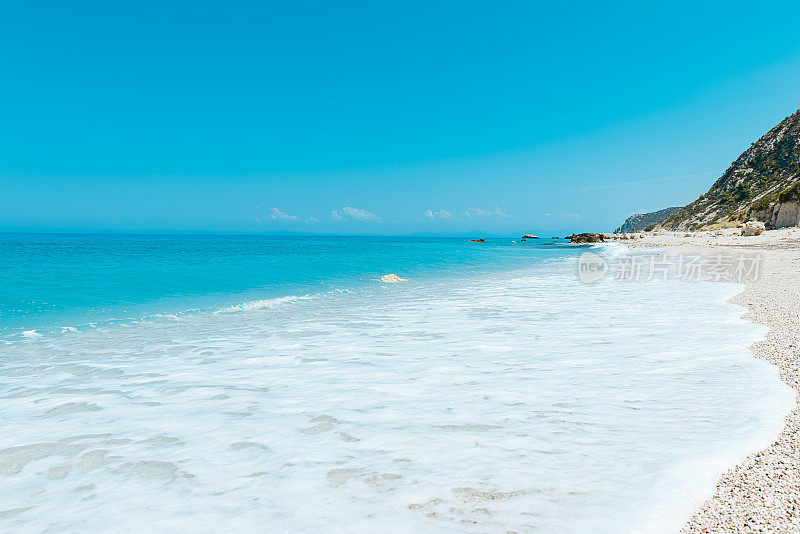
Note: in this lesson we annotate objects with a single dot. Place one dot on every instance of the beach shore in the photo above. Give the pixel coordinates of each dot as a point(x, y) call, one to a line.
point(762, 493)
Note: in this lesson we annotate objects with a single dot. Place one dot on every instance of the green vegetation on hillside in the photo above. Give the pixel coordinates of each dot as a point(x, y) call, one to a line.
point(766, 172)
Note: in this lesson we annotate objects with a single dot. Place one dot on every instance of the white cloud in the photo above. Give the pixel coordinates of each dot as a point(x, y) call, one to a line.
point(570, 215)
point(355, 214)
point(360, 214)
point(476, 212)
point(441, 214)
point(277, 215)
point(480, 212)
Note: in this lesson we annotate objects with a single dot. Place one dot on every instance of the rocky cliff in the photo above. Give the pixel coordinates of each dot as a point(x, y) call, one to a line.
point(779, 211)
point(757, 185)
point(641, 221)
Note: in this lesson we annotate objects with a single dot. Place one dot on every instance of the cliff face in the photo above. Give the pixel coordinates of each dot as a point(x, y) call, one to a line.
point(779, 211)
point(752, 185)
point(640, 221)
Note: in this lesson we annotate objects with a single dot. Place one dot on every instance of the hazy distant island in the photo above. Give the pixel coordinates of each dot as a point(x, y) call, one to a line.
point(645, 221)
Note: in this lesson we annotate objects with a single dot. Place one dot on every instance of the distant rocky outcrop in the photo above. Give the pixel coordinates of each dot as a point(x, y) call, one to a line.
point(585, 238)
point(760, 184)
point(642, 221)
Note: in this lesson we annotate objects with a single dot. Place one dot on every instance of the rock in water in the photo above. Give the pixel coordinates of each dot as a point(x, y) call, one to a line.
point(392, 278)
point(753, 228)
point(585, 238)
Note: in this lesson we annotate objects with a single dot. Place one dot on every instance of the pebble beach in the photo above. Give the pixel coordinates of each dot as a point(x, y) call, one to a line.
point(762, 493)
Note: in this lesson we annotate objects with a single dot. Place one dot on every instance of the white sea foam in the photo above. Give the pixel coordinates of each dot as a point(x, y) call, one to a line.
point(30, 334)
point(263, 304)
point(520, 402)
point(612, 249)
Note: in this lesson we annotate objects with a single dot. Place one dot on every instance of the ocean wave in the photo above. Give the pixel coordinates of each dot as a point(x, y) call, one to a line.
point(612, 249)
point(260, 304)
point(30, 334)
point(263, 304)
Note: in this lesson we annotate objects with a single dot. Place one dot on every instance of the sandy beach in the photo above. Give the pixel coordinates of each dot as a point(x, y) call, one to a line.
point(762, 493)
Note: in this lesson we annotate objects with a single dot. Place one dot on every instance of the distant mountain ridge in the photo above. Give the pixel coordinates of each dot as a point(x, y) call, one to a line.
point(754, 186)
point(640, 221)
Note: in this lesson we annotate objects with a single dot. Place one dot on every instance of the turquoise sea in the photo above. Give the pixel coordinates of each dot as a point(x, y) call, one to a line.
point(159, 383)
point(49, 281)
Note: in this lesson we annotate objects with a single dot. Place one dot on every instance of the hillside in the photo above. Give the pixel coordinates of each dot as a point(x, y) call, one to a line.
point(640, 221)
point(751, 186)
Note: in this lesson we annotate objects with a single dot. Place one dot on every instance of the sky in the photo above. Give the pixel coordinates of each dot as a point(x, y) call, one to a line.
point(451, 118)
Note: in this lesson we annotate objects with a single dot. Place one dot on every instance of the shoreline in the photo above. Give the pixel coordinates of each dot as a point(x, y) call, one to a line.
point(762, 492)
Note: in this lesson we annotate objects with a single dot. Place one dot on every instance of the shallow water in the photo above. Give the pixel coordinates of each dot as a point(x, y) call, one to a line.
point(516, 399)
point(54, 281)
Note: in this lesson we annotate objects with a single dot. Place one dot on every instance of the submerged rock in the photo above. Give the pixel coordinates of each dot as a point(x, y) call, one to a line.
point(392, 278)
point(154, 469)
point(337, 477)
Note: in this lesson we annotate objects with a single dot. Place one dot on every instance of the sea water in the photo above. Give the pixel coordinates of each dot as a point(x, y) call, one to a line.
point(211, 383)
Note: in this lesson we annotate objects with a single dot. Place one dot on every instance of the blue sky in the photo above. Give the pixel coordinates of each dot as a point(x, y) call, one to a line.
point(361, 117)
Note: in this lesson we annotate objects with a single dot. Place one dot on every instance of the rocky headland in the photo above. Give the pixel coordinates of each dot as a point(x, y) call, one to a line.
point(761, 184)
